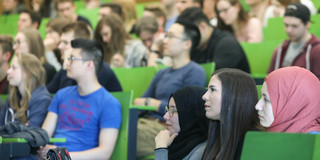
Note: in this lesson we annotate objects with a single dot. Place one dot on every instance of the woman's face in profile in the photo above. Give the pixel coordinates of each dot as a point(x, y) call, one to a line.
point(172, 118)
point(20, 44)
point(14, 73)
point(264, 108)
point(106, 33)
point(213, 98)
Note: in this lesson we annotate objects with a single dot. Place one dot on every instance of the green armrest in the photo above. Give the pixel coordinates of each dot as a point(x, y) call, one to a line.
point(22, 140)
point(148, 108)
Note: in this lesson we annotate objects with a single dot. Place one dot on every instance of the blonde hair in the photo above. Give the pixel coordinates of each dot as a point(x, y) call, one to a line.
point(129, 11)
point(33, 75)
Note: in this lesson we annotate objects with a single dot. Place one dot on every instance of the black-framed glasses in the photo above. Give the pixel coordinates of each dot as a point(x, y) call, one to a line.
point(171, 36)
point(72, 58)
point(170, 110)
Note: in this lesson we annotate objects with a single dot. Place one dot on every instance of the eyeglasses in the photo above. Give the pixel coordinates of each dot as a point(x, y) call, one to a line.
point(170, 110)
point(71, 59)
point(170, 36)
point(223, 10)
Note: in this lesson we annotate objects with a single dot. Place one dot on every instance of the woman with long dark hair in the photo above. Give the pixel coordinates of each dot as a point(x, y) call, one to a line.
point(230, 106)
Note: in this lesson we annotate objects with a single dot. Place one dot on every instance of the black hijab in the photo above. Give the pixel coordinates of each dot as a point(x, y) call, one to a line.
point(192, 120)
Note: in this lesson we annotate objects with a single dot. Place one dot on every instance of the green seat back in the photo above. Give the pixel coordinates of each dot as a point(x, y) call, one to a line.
point(137, 79)
point(9, 24)
point(315, 24)
point(91, 15)
point(79, 5)
point(275, 29)
point(316, 3)
point(280, 146)
point(42, 28)
point(209, 69)
point(259, 56)
point(121, 148)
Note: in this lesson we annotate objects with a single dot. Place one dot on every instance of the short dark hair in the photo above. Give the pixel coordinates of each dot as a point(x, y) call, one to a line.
point(191, 32)
point(6, 45)
point(57, 24)
point(35, 16)
point(90, 49)
point(115, 8)
point(80, 29)
point(194, 15)
point(147, 23)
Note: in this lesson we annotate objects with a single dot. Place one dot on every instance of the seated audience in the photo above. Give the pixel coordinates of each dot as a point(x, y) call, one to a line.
point(229, 104)
point(232, 17)
point(120, 49)
point(53, 32)
point(289, 101)
point(106, 76)
point(30, 41)
point(187, 126)
point(147, 29)
point(181, 39)
point(6, 53)
point(87, 115)
point(215, 45)
point(28, 98)
point(29, 19)
point(302, 49)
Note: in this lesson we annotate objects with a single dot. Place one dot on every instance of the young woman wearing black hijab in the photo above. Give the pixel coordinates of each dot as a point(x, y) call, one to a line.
point(187, 126)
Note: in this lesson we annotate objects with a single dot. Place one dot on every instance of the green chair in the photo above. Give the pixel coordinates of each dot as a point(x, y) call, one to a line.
point(315, 24)
point(92, 15)
point(259, 90)
point(280, 146)
point(126, 143)
point(9, 24)
point(137, 79)
point(42, 27)
point(275, 29)
point(259, 56)
point(209, 69)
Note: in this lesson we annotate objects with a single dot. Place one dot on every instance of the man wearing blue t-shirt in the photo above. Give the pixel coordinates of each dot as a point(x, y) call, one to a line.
point(87, 115)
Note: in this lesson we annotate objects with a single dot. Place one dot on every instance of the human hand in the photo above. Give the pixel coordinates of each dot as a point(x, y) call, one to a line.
point(139, 101)
point(50, 44)
point(42, 151)
point(164, 139)
point(117, 60)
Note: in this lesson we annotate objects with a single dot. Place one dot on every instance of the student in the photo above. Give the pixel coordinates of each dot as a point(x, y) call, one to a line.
point(232, 17)
point(187, 126)
point(87, 115)
point(180, 40)
point(229, 104)
point(289, 101)
point(30, 41)
point(181, 5)
point(28, 98)
point(215, 45)
point(52, 40)
point(120, 49)
point(303, 48)
point(6, 54)
point(106, 76)
point(67, 9)
point(29, 19)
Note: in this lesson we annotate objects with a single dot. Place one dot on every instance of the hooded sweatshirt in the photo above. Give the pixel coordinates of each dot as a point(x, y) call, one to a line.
point(309, 56)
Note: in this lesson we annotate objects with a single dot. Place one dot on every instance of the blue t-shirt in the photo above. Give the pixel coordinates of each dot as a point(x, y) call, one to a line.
point(80, 118)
